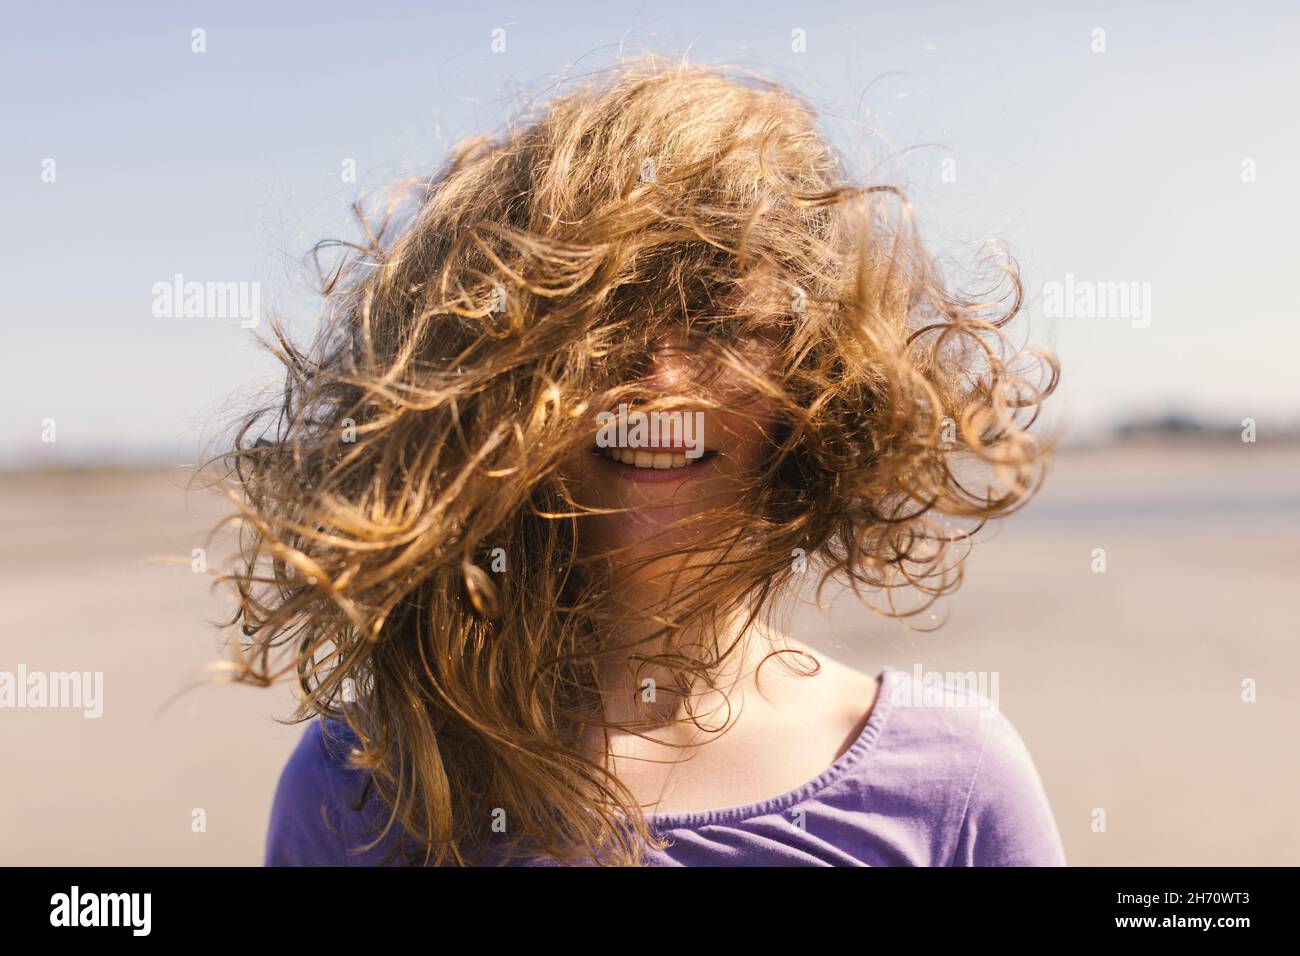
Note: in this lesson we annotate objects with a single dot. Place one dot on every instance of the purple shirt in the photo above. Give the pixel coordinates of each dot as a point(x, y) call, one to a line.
point(932, 780)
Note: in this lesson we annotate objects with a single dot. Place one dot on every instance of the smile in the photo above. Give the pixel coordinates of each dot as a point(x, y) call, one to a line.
point(651, 460)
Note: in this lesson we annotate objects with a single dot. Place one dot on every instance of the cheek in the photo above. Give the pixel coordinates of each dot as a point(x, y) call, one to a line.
point(750, 436)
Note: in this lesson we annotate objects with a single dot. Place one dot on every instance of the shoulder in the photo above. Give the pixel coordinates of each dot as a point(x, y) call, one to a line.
point(838, 693)
point(963, 761)
point(1008, 819)
point(317, 800)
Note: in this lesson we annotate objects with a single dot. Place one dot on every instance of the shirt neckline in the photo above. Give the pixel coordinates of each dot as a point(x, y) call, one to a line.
point(858, 752)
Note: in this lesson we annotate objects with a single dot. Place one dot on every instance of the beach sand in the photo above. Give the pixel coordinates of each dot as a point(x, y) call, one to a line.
point(1126, 685)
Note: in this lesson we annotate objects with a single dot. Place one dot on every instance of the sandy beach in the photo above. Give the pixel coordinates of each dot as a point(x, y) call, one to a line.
point(1127, 685)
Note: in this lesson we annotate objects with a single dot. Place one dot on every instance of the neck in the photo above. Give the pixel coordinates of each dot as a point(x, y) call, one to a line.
point(642, 694)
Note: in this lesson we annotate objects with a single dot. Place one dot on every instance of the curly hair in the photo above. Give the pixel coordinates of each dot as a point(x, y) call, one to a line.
point(465, 345)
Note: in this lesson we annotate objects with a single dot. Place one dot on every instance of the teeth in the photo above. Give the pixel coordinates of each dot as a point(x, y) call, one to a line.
point(640, 458)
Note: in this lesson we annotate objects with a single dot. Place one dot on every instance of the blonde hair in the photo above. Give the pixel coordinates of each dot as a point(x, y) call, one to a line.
point(467, 342)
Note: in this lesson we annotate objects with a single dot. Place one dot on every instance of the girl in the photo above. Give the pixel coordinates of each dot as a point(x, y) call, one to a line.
point(571, 430)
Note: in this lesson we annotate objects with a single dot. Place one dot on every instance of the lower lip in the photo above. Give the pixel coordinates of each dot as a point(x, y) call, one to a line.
point(653, 475)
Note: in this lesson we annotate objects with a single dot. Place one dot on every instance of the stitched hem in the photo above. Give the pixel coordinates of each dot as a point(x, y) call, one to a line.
point(856, 754)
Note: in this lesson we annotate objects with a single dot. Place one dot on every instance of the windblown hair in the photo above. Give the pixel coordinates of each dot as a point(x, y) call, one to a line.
point(466, 345)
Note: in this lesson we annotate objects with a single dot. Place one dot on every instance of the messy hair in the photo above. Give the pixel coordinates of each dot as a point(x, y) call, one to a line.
point(466, 342)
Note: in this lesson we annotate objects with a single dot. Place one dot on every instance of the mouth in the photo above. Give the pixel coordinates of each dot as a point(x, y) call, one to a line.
point(651, 464)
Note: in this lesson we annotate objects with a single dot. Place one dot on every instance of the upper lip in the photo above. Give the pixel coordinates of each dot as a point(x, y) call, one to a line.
point(675, 449)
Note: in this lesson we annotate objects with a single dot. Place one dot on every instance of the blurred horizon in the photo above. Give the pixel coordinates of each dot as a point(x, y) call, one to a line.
point(1172, 429)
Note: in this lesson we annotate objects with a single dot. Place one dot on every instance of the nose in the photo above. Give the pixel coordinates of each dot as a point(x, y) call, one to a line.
point(670, 365)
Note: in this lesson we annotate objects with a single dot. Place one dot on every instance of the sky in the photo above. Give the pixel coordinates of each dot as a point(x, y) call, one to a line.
point(1150, 145)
